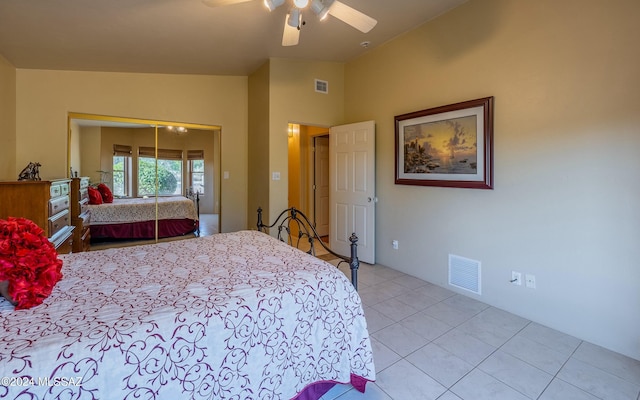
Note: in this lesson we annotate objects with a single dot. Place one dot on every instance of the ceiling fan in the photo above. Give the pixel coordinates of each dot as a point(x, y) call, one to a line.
point(321, 8)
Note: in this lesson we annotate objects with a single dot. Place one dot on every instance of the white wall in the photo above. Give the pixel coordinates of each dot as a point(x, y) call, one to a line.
point(565, 76)
point(44, 98)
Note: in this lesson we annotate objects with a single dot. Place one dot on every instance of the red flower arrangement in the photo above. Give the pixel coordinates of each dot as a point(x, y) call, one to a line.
point(28, 263)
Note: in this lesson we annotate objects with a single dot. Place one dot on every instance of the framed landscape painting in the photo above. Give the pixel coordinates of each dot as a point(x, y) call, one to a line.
point(449, 146)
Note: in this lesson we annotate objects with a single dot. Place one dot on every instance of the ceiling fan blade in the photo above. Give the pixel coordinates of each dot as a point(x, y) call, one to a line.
point(351, 16)
point(218, 3)
point(291, 34)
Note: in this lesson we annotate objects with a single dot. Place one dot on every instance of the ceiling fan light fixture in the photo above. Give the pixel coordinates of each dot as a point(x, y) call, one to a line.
point(273, 4)
point(301, 3)
point(295, 18)
point(321, 8)
point(291, 34)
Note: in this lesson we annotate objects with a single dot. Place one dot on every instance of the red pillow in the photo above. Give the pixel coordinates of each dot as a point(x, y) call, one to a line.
point(94, 196)
point(107, 196)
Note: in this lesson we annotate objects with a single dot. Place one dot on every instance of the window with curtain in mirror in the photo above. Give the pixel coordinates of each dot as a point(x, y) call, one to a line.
point(169, 172)
point(121, 170)
point(196, 171)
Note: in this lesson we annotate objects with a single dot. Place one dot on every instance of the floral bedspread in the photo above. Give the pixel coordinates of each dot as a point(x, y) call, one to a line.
point(230, 316)
point(140, 209)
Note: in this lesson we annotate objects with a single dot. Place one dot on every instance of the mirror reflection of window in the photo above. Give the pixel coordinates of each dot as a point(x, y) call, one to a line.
point(169, 172)
point(121, 174)
point(196, 171)
point(169, 177)
point(121, 171)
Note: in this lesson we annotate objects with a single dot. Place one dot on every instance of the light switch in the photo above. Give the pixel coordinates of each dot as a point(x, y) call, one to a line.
point(275, 176)
point(225, 175)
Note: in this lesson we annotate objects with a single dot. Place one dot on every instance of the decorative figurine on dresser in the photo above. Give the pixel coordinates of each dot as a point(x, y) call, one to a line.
point(44, 202)
point(31, 172)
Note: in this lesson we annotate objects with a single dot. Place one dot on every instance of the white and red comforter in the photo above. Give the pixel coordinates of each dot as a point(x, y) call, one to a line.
point(229, 316)
point(140, 209)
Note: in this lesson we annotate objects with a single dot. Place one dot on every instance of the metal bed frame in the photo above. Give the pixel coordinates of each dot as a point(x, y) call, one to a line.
point(195, 197)
point(293, 220)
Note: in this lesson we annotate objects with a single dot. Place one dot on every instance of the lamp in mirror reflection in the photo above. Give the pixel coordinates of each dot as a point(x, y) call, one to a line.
point(179, 130)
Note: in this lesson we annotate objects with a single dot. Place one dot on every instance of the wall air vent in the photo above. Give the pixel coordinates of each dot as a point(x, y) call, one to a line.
point(465, 273)
point(322, 86)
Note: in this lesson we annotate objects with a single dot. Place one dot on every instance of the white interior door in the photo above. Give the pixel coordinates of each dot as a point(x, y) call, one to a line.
point(321, 184)
point(352, 196)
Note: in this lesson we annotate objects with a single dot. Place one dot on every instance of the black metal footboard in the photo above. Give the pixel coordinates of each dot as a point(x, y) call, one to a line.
point(195, 197)
point(294, 228)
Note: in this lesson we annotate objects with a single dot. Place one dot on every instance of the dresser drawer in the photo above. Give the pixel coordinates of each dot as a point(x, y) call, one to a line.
point(58, 204)
point(58, 222)
point(59, 189)
point(56, 190)
point(64, 189)
point(84, 183)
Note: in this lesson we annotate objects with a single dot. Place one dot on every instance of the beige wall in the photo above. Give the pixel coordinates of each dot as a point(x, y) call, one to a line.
point(258, 144)
point(45, 97)
point(90, 138)
point(281, 92)
point(75, 151)
point(292, 98)
point(565, 206)
point(8, 121)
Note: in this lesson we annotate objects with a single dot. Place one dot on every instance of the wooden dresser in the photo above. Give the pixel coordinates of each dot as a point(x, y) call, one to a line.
point(80, 214)
point(44, 202)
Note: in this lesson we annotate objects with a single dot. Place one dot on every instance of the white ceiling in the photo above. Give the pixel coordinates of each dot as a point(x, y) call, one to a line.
point(186, 36)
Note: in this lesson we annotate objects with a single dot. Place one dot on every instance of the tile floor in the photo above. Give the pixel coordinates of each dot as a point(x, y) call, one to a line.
point(208, 224)
point(431, 343)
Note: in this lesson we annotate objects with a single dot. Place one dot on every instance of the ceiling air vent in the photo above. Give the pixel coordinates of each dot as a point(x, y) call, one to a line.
point(322, 86)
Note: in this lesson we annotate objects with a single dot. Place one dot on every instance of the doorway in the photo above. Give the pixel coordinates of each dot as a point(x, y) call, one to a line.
point(321, 184)
point(346, 171)
point(308, 171)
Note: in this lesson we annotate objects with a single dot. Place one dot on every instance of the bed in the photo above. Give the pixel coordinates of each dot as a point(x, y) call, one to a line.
point(230, 316)
point(134, 218)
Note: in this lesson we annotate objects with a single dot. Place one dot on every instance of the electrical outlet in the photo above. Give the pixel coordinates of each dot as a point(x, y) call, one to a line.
point(516, 278)
point(530, 281)
point(394, 243)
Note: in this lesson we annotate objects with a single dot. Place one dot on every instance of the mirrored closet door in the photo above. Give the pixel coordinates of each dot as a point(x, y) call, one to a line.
point(156, 180)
